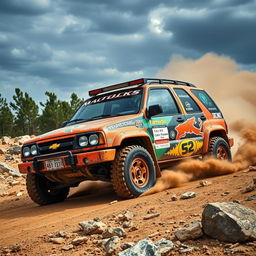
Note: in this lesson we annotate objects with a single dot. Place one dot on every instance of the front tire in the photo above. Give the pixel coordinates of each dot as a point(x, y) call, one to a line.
point(219, 148)
point(43, 191)
point(133, 171)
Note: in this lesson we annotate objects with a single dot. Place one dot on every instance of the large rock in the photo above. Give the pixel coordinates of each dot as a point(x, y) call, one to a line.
point(191, 231)
point(143, 247)
point(5, 168)
point(229, 222)
point(93, 227)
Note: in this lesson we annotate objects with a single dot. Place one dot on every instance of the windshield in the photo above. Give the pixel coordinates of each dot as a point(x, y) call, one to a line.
point(109, 105)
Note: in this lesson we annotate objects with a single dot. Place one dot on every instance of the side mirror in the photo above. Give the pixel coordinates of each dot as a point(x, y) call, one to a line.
point(64, 124)
point(154, 110)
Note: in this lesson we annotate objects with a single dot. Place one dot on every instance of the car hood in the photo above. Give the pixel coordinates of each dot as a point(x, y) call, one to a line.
point(94, 125)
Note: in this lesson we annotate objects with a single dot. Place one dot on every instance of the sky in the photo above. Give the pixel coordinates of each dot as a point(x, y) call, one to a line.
point(66, 46)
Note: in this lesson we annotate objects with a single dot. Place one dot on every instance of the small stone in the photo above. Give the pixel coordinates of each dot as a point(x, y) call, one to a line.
point(61, 233)
point(249, 188)
point(113, 202)
point(9, 158)
point(110, 232)
point(79, 240)
point(151, 216)
point(254, 180)
point(112, 245)
point(191, 231)
point(67, 247)
point(164, 246)
point(57, 240)
point(252, 169)
point(127, 224)
point(3, 151)
point(154, 234)
point(127, 245)
point(188, 195)
point(187, 250)
point(93, 227)
point(225, 193)
point(19, 194)
point(133, 229)
point(174, 198)
point(204, 183)
point(14, 150)
point(128, 215)
point(102, 242)
point(250, 198)
point(15, 248)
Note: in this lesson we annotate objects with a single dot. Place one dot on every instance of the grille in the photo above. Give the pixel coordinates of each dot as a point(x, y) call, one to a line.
point(65, 144)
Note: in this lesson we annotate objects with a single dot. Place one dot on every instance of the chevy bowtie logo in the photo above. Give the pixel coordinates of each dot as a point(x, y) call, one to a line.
point(54, 146)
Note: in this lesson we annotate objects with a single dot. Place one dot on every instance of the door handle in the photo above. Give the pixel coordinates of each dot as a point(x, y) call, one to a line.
point(202, 117)
point(180, 119)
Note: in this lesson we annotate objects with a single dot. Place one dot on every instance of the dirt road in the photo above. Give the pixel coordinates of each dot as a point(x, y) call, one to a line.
point(29, 225)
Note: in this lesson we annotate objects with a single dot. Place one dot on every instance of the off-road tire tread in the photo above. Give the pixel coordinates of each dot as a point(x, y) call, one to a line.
point(118, 171)
point(37, 196)
point(212, 143)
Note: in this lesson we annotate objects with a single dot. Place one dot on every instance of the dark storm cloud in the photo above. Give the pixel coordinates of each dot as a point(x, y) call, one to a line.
point(65, 46)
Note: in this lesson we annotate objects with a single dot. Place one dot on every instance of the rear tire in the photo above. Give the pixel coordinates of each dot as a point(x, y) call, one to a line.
point(219, 148)
point(133, 171)
point(43, 191)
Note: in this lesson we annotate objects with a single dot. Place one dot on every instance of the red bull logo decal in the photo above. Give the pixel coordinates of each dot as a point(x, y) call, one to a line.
point(187, 128)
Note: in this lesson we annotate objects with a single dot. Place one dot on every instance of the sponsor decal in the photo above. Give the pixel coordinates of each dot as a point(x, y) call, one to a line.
point(188, 127)
point(122, 124)
point(112, 96)
point(54, 146)
point(185, 148)
point(217, 115)
point(161, 137)
point(158, 122)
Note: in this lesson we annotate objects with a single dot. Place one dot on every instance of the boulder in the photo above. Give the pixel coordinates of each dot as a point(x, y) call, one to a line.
point(93, 227)
point(5, 168)
point(229, 222)
point(110, 232)
point(164, 246)
point(191, 231)
point(20, 140)
point(143, 247)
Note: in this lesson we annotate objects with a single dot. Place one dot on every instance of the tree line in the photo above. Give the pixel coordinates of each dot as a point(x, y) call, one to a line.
point(22, 115)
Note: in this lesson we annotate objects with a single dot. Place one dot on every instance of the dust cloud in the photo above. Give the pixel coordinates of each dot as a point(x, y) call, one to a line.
point(234, 92)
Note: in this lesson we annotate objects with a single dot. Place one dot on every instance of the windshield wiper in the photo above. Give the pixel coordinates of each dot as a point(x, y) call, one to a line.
point(76, 120)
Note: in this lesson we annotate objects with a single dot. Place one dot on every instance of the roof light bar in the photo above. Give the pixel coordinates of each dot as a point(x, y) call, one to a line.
point(138, 82)
point(117, 86)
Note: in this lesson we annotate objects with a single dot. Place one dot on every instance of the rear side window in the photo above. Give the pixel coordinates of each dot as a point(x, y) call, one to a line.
point(188, 103)
point(206, 100)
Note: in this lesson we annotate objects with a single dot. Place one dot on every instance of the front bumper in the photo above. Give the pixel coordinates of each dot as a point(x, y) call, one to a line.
point(70, 161)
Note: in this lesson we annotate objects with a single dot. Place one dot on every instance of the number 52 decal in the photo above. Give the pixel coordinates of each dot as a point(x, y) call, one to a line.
point(187, 147)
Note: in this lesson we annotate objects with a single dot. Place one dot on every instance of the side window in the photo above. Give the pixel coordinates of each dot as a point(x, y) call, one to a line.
point(164, 99)
point(206, 100)
point(188, 103)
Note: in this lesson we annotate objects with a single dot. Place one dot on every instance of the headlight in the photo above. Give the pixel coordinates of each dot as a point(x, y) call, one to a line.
point(93, 139)
point(33, 150)
point(83, 141)
point(26, 151)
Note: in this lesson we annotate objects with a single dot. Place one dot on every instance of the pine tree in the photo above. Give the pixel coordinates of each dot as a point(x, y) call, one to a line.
point(26, 113)
point(6, 118)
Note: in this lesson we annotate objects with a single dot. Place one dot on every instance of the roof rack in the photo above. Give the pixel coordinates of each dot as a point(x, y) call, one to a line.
point(138, 82)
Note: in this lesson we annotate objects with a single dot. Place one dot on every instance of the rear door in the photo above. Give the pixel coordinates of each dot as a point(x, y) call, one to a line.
point(189, 133)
